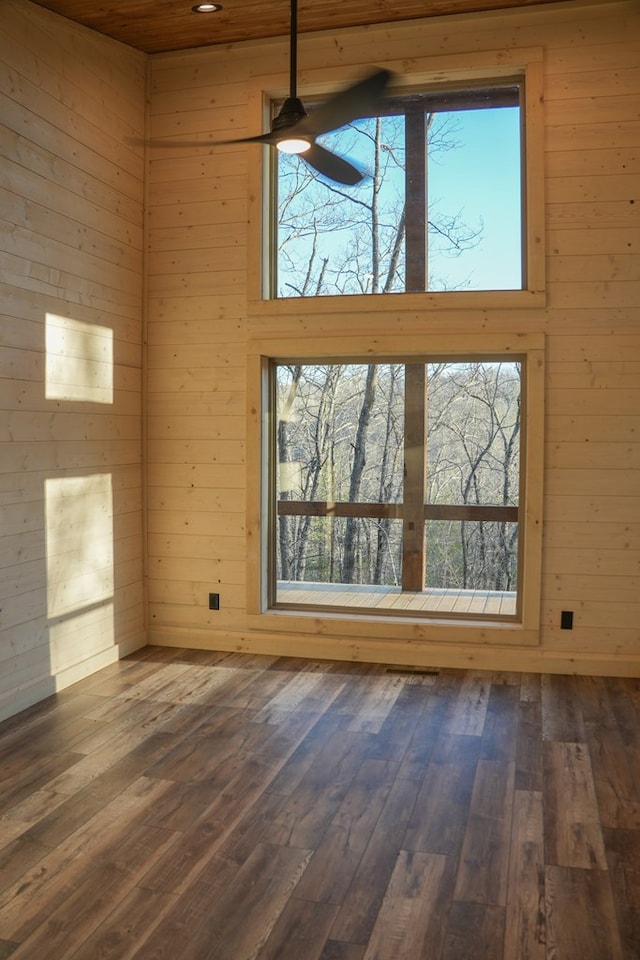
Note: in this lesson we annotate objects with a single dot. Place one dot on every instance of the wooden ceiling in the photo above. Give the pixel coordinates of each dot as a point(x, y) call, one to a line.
point(155, 26)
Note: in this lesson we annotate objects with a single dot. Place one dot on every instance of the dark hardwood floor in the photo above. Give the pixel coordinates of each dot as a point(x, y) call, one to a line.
point(185, 805)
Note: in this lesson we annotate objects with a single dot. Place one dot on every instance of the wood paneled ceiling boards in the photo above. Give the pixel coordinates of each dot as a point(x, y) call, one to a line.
point(156, 26)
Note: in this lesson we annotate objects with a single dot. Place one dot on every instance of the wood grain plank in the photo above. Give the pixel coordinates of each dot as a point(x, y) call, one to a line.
point(561, 713)
point(439, 820)
point(399, 727)
point(581, 919)
point(338, 950)
point(190, 908)
point(500, 732)
point(337, 856)
point(529, 763)
point(54, 721)
point(412, 919)
point(281, 705)
point(625, 708)
point(376, 703)
point(28, 771)
point(181, 805)
point(525, 933)
point(616, 770)
point(301, 931)
point(128, 926)
point(484, 860)
point(315, 801)
point(240, 920)
point(305, 754)
point(360, 907)
point(572, 825)
point(474, 932)
point(468, 712)
point(78, 809)
point(230, 822)
point(18, 857)
point(429, 727)
point(217, 742)
point(623, 857)
point(73, 910)
point(127, 724)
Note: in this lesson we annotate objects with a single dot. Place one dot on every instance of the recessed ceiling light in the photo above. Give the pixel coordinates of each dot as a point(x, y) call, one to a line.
point(206, 7)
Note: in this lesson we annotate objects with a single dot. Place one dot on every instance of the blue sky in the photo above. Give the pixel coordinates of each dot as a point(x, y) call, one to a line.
point(481, 177)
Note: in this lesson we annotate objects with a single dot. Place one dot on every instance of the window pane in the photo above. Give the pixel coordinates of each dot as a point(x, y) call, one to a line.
point(473, 430)
point(441, 176)
point(474, 201)
point(337, 550)
point(348, 483)
point(334, 239)
point(467, 557)
point(339, 432)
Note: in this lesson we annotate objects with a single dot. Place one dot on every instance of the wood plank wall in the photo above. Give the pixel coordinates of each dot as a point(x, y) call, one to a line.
point(198, 328)
point(71, 296)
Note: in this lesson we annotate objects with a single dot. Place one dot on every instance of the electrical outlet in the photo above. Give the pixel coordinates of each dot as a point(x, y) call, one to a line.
point(214, 601)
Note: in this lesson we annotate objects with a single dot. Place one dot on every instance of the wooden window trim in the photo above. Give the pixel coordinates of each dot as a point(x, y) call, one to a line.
point(367, 626)
point(396, 511)
point(452, 69)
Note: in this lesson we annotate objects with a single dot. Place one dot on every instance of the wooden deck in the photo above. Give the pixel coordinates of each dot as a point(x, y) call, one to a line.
point(381, 598)
point(185, 805)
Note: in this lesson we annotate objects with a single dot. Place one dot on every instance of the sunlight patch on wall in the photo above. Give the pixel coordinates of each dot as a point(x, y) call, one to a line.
point(79, 529)
point(79, 360)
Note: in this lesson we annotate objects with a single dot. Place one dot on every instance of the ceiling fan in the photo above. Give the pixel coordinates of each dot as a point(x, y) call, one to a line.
point(294, 130)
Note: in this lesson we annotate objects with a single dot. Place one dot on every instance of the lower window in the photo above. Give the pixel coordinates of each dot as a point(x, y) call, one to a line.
point(395, 487)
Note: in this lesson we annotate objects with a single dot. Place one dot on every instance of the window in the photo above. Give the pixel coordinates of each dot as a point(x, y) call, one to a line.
point(396, 486)
point(440, 208)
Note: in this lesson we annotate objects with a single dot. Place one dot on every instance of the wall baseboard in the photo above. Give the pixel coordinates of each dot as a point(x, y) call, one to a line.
point(521, 660)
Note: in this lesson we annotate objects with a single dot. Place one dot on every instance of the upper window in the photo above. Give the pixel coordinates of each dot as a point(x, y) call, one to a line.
point(440, 207)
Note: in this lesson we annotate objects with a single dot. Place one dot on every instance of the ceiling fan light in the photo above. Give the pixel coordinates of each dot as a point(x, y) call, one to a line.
point(293, 145)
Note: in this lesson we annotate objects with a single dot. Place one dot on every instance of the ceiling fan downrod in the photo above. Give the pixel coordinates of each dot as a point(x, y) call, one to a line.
point(292, 109)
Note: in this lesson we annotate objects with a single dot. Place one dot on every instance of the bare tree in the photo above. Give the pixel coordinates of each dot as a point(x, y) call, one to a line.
point(341, 240)
point(474, 459)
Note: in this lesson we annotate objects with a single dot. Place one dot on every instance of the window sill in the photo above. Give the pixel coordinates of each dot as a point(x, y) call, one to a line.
point(361, 627)
point(401, 302)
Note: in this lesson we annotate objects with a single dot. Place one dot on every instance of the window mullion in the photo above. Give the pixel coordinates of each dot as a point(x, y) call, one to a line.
point(415, 134)
point(415, 413)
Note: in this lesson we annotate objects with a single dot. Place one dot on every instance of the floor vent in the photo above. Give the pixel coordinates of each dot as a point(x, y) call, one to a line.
point(415, 671)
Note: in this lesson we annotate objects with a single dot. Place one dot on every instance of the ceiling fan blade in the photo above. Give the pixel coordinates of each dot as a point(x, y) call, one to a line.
point(331, 166)
point(268, 138)
point(160, 144)
point(359, 100)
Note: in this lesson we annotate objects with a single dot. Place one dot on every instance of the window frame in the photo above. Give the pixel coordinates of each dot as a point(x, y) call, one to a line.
point(414, 511)
point(489, 93)
point(261, 495)
point(457, 70)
